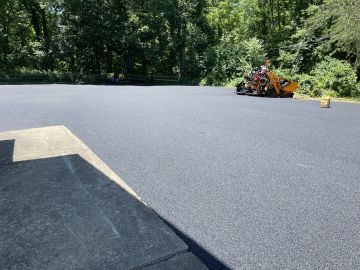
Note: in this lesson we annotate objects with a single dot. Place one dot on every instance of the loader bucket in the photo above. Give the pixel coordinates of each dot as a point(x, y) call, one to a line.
point(292, 87)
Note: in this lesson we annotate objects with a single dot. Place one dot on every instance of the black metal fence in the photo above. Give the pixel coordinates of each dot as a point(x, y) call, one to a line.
point(69, 78)
point(151, 80)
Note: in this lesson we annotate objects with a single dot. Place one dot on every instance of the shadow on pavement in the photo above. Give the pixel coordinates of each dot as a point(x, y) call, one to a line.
point(207, 258)
point(63, 213)
point(6, 151)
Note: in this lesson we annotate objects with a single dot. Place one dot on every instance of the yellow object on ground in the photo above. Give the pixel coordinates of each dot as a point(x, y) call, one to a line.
point(325, 102)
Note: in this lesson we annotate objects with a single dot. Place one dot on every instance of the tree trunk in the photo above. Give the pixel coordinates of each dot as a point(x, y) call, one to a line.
point(272, 12)
point(278, 15)
point(5, 44)
point(97, 62)
point(36, 24)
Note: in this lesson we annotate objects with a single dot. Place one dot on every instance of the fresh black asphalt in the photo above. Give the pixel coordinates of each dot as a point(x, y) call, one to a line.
point(257, 183)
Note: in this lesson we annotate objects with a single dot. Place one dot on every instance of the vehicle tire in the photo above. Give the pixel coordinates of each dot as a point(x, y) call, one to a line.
point(271, 92)
point(240, 88)
point(262, 91)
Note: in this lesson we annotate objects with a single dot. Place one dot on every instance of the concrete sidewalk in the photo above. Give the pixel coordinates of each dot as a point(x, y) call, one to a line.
point(61, 207)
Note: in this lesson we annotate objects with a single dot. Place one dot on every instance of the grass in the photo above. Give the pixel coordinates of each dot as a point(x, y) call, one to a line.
point(333, 99)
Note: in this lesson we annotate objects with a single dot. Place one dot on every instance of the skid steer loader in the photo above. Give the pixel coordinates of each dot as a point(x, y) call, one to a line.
point(261, 82)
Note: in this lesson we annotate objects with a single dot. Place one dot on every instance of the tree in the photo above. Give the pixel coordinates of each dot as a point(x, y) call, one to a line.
point(215, 40)
point(342, 22)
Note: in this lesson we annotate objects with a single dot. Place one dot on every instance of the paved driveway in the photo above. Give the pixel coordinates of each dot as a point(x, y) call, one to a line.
point(258, 183)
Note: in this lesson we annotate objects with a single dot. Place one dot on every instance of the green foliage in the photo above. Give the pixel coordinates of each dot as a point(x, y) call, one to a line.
point(233, 59)
point(330, 77)
point(254, 52)
point(209, 41)
point(307, 85)
point(92, 36)
point(25, 75)
point(335, 77)
point(339, 21)
point(356, 92)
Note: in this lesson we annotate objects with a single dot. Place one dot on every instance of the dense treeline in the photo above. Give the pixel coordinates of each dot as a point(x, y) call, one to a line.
point(212, 41)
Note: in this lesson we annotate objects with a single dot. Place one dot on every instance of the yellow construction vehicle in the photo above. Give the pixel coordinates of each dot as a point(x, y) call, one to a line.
point(262, 82)
point(280, 87)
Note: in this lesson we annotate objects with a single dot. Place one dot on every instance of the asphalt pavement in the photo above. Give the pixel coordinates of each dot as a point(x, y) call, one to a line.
point(258, 183)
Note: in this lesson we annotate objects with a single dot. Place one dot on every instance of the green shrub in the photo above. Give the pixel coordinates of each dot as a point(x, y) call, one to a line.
point(307, 85)
point(336, 78)
point(234, 82)
point(25, 75)
point(3, 75)
point(285, 73)
point(232, 59)
point(356, 91)
point(330, 77)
